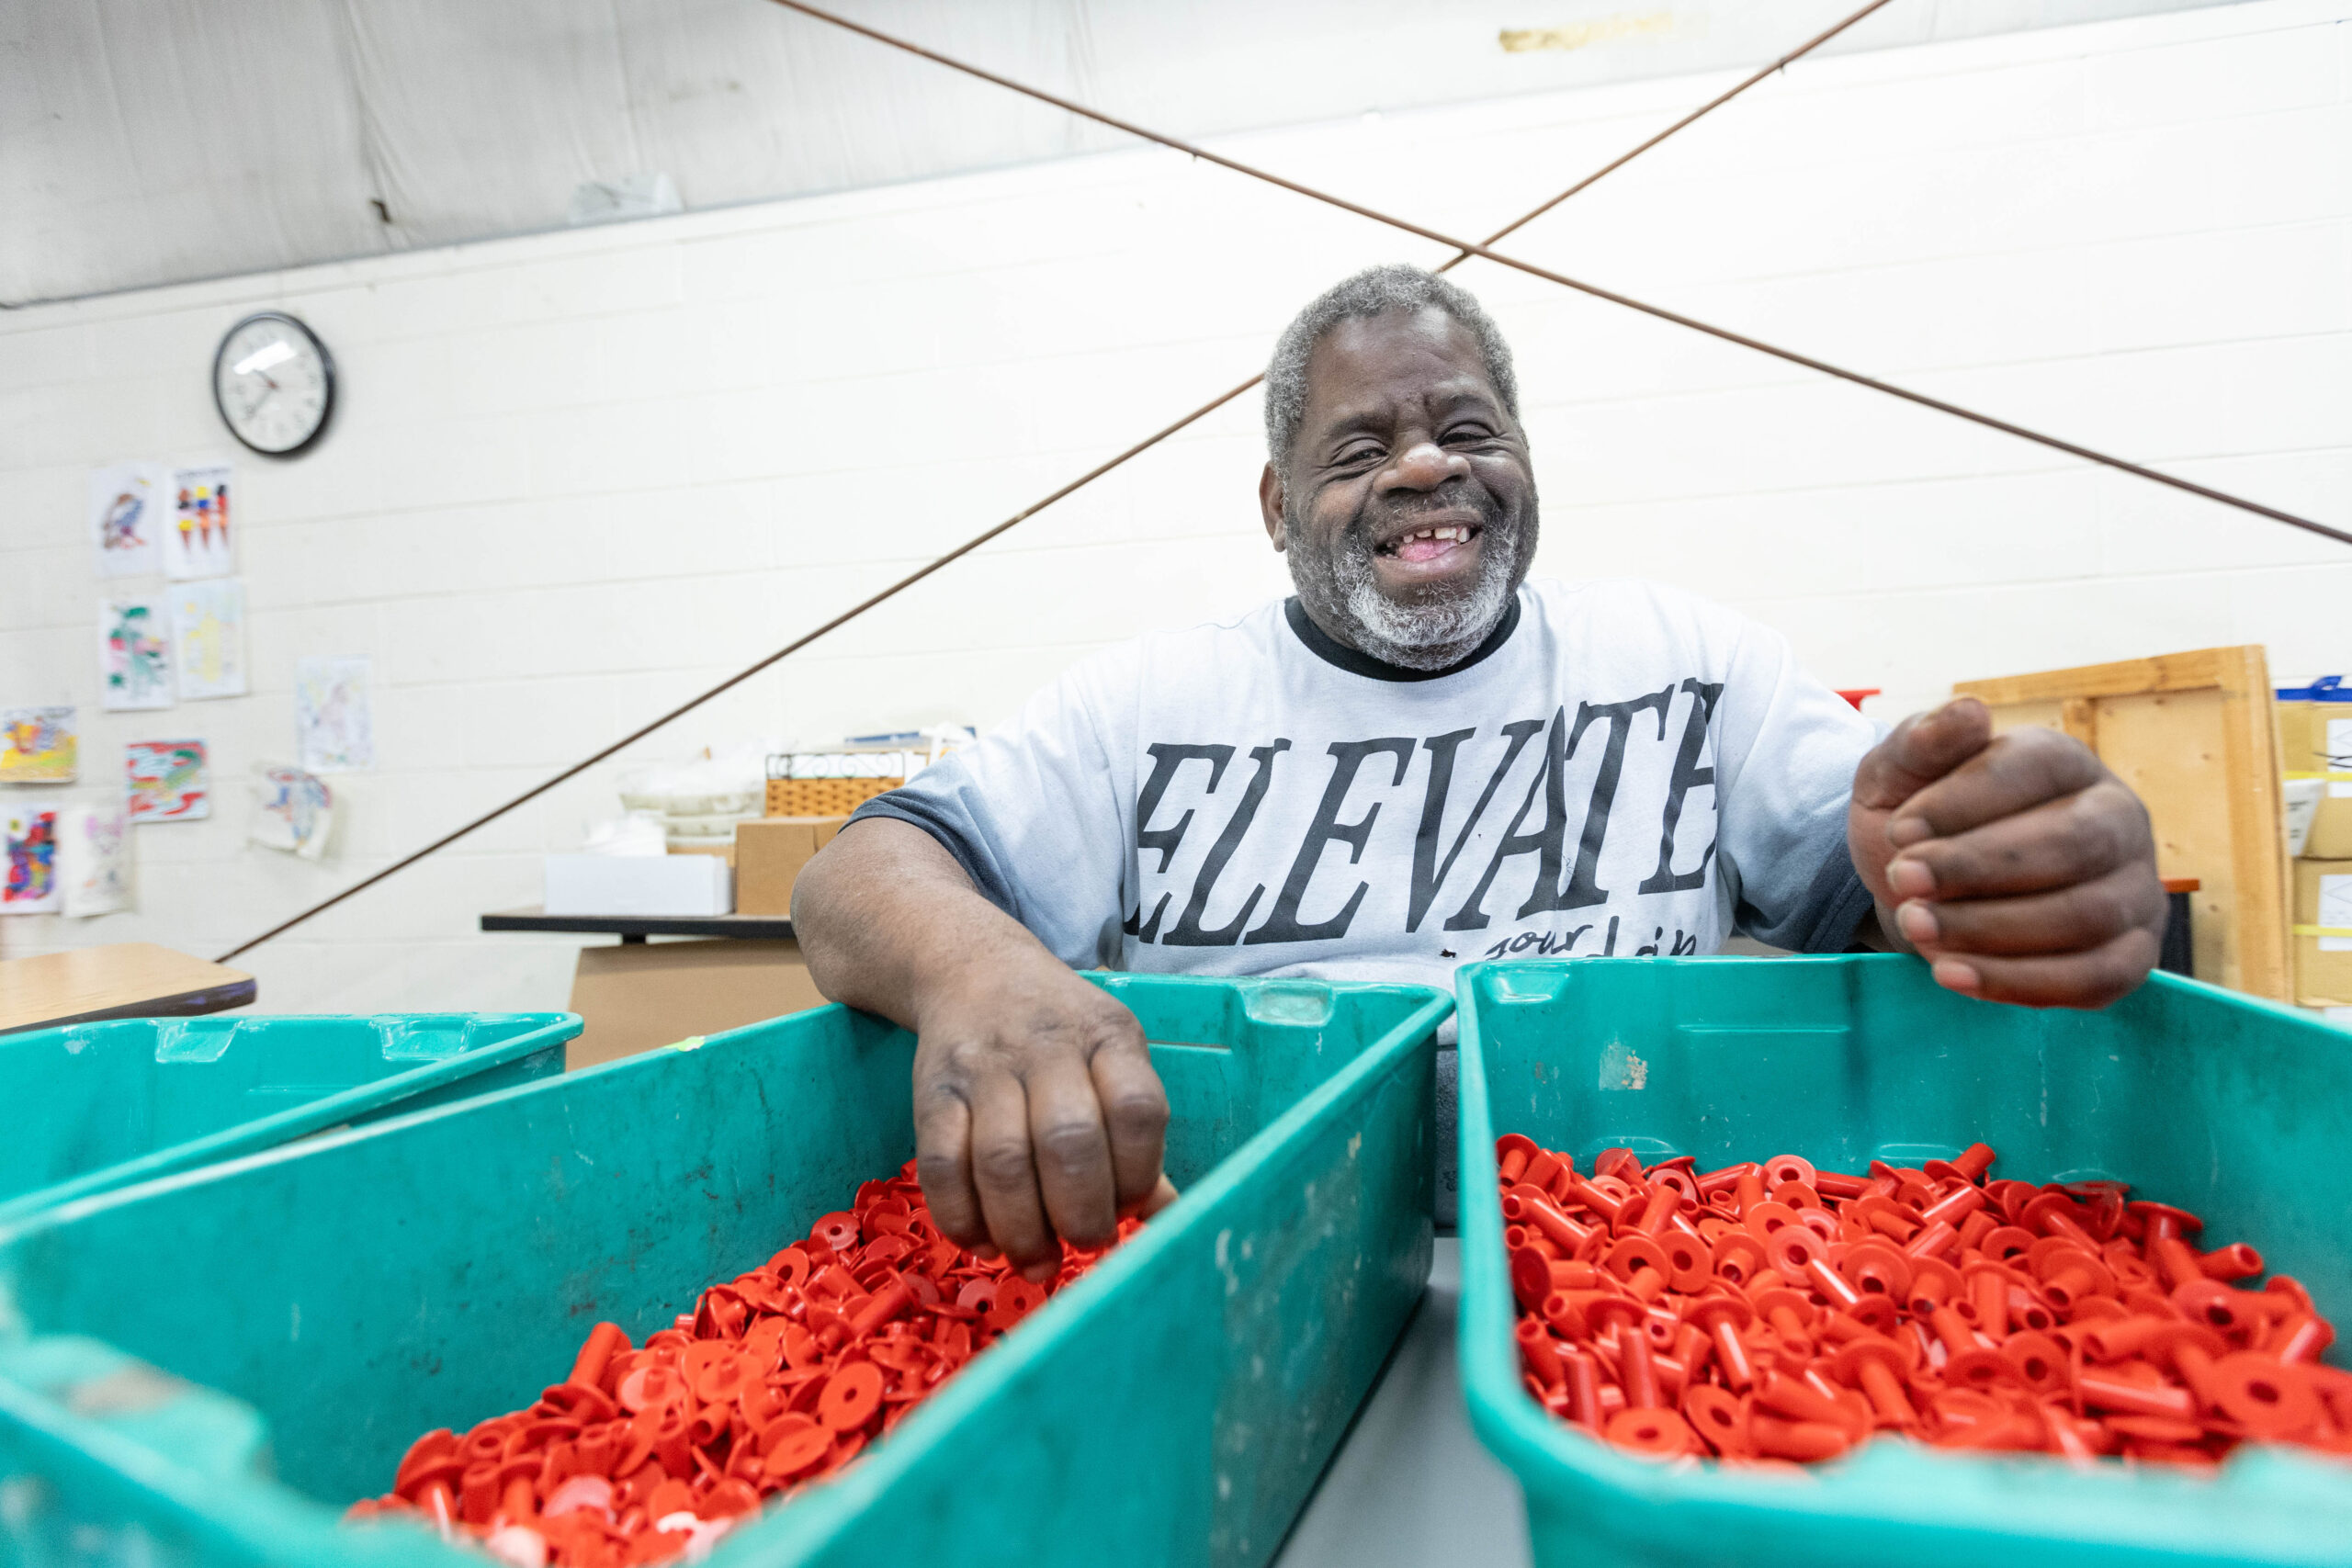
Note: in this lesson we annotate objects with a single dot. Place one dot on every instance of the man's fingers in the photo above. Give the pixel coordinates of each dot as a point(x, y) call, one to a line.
point(2076, 838)
point(943, 1162)
point(2072, 919)
point(1135, 1114)
point(1072, 1152)
point(1005, 1173)
point(2019, 771)
point(1164, 1192)
point(1922, 749)
point(2089, 979)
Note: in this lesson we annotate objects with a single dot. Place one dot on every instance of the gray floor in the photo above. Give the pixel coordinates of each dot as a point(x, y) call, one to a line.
point(1412, 1486)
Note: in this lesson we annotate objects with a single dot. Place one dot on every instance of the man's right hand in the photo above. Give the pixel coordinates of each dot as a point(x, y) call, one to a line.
point(1037, 1115)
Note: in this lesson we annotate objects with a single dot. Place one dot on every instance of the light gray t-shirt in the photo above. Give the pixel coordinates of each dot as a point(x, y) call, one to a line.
point(1622, 768)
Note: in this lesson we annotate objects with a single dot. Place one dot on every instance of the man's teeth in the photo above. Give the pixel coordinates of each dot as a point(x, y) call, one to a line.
point(1460, 534)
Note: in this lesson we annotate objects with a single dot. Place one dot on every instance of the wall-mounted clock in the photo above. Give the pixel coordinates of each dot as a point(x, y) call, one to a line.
point(273, 381)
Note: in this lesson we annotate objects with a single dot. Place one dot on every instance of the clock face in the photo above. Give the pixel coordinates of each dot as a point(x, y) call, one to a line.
point(274, 383)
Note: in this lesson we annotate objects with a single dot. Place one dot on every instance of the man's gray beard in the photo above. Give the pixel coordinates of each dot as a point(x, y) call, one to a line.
point(1341, 592)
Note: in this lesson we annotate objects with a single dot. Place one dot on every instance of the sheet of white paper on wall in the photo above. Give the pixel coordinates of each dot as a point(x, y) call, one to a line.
point(166, 781)
point(293, 811)
point(208, 638)
point(196, 539)
point(94, 858)
point(333, 730)
point(128, 511)
point(135, 655)
point(2335, 909)
point(2339, 757)
point(29, 838)
point(38, 746)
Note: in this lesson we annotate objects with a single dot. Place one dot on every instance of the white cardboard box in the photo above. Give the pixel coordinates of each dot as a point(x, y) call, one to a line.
point(639, 885)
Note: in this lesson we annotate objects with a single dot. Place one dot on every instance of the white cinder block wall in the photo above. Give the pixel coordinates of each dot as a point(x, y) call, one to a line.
point(576, 476)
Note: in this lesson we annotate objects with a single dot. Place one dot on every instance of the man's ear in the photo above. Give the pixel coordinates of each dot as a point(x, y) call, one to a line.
point(1269, 503)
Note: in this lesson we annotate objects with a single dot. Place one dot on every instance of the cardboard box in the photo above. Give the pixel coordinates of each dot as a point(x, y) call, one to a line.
point(2322, 904)
point(637, 885)
point(2315, 741)
point(769, 854)
point(636, 996)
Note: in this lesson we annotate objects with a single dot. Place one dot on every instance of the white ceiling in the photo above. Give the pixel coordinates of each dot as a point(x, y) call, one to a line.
point(148, 141)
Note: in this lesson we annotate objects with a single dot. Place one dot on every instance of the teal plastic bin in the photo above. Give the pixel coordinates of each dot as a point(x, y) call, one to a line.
point(326, 1304)
point(2238, 1110)
point(92, 1107)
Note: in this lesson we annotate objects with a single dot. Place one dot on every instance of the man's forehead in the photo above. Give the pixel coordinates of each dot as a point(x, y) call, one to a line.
point(1369, 362)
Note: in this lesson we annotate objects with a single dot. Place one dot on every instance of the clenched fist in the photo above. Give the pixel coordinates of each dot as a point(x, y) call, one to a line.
point(2020, 867)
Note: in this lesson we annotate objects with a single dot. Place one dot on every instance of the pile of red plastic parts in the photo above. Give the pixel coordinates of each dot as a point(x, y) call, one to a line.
point(774, 1380)
point(1774, 1312)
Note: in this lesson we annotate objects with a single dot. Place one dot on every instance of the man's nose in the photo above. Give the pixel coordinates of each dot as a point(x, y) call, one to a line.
point(1423, 466)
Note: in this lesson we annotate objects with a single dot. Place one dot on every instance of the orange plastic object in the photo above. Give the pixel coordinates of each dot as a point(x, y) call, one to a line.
point(773, 1381)
point(1775, 1312)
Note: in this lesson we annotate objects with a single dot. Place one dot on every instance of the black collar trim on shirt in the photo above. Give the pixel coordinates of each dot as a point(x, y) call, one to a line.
point(1357, 662)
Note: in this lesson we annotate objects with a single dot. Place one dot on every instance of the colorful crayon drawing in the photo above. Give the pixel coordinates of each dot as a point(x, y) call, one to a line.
point(165, 780)
point(293, 811)
point(333, 732)
point(32, 887)
point(37, 746)
point(94, 858)
point(208, 638)
point(127, 507)
point(134, 655)
point(196, 544)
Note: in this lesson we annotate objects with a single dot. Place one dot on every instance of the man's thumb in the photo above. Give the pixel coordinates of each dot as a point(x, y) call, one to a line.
point(1923, 748)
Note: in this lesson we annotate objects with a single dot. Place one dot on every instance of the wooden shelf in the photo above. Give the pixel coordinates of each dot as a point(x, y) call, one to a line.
point(636, 927)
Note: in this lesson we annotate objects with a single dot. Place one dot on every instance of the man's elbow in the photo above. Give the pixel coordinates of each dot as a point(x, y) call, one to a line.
point(815, 890)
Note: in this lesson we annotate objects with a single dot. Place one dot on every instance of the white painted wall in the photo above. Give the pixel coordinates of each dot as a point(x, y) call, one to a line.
point(576, 476)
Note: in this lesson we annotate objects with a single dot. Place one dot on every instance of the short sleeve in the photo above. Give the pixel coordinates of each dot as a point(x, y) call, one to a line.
point(1787, 747)
point(1032, 813)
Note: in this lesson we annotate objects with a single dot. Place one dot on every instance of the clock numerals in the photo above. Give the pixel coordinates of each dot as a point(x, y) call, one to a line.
point(273, 382)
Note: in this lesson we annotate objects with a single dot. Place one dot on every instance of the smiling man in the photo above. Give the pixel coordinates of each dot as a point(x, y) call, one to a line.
point(1421, 759)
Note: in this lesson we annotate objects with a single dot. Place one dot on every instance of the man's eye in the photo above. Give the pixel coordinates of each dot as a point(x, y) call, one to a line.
point(1351, 456)
point(1472, 434)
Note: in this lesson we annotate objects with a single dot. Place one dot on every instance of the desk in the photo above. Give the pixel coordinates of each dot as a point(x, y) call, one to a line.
point(1410, 1487)
point(123, 979)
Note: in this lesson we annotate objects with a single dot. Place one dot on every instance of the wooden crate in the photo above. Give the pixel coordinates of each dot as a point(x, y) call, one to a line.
point(824, 798)
point(2192, 733)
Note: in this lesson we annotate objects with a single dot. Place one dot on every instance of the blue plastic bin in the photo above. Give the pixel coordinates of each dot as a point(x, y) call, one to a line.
point(96, 1105)
point(330, 1303)
point(2238, 1110)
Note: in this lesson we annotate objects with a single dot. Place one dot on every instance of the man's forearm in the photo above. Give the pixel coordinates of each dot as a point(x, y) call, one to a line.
point(884, 916)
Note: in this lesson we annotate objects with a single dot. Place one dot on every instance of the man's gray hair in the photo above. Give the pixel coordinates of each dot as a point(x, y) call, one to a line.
point(1375, 291)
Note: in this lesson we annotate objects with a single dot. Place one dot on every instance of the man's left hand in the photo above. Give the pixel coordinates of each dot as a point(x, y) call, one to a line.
point(2020, 867)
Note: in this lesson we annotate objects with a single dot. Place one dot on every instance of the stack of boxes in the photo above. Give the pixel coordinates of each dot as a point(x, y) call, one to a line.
point(2316, 740)
point(809, 797)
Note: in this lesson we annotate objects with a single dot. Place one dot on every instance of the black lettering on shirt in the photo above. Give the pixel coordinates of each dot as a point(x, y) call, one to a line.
point(1166, 758)
point(1687, 776)
point(1548, 842)
point(1348, 756)
point(1188, 932)
point(1429, 872)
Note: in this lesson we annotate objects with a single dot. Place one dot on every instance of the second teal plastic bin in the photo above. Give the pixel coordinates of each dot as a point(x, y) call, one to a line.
point(92, 1107)
point(2238, 1110)
point(326, 1304)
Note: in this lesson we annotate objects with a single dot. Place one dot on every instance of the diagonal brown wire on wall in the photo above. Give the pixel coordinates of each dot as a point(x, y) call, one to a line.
point(1462, 253)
